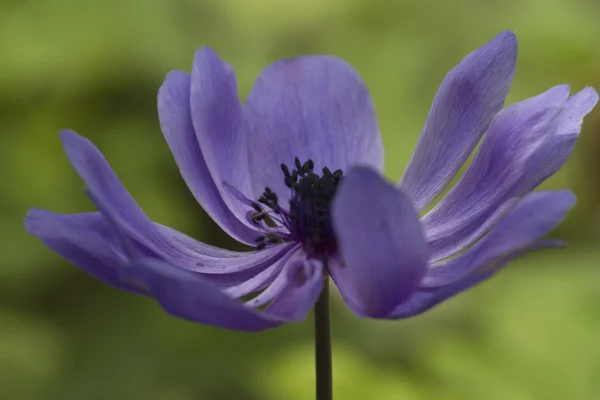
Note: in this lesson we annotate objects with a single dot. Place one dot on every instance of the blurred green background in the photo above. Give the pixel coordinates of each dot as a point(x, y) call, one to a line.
point(533, 332)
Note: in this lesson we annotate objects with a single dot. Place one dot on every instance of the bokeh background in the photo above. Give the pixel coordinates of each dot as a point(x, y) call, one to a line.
point(532, 332)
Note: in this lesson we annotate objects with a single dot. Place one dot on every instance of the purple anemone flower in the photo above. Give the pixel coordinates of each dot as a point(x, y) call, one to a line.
point(297, 173)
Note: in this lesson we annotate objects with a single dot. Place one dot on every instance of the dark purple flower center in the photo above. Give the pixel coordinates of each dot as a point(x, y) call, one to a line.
point(308, 218)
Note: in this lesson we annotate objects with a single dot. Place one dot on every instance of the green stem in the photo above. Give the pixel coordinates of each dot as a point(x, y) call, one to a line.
point(323, 346)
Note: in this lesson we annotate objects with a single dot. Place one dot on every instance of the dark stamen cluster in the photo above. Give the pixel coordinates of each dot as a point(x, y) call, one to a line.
point(308, 218)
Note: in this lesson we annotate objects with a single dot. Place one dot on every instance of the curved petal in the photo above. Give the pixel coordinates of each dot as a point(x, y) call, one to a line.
point(176, 123)
point(535, 216)
point(467, 100)
point(312, 107)
point(85, 240)
point(295, 290)
point(187, 295)
point(427, 298)
point(447, 240)
point(514, 134)
point(526, 143)
point(262, 279)
point(551, 155)
point(218, 121)
point(303, 287)
point(109, 194)
point(381, 242)
point(90, 242)
point(346, 286)
point(177, 247)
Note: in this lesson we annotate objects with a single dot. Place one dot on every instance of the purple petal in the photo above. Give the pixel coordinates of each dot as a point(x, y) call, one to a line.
point(381, 242)
point(447, 240)
point(345, 284)
point(551, 155)
point(262, 279)
point(302, 287)
point(426, 298)
point(467, 100)
point(170, 245)
point(177, 247)
point(524, 145)
point(578, 106)
point(312, 107)
point(513, 136)
point(535, 216)
point(176, 123)
point(85, 240)
point(90, 242)
point(277, 286)
point(187, 295)
point(219, 125)
point(294, 271)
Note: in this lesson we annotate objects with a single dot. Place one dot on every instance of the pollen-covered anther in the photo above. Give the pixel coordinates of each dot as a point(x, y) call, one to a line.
point(308, 218)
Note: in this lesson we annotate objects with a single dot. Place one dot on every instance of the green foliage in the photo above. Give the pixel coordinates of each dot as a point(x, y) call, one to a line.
point(530, 333)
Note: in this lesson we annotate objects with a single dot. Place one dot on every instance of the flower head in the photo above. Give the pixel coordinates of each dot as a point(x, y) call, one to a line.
point(296, 173)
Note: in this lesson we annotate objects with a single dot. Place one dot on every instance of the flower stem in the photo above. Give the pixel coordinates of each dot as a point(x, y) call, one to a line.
point(323, 345)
